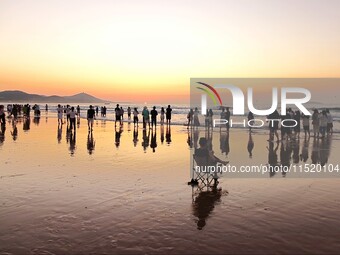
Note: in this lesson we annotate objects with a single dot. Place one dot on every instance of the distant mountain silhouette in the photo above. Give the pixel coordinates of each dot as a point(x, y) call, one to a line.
point(20, 96)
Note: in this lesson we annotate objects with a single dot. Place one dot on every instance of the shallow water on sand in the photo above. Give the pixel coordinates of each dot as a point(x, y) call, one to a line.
point(66, 194)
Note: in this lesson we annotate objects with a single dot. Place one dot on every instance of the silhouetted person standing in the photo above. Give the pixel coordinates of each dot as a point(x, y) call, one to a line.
point(154, 114)
point(129, 112)
point(117, 111)
point(168, 114)
point(146, 117)
point(196, 119)
point(78, 111)
point(135, 117)
point(73, 118)
point(316, 123)
point(162, 115)
point(90, 118)
point(2, 115)
point(227, 117)
point(273, 125)
point(190, 117)
point(68, 109)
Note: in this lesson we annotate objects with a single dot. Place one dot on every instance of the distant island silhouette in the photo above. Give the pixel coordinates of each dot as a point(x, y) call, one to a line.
point(20, 96)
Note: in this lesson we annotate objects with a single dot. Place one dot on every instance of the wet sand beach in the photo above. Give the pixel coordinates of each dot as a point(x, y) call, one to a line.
point(116, 192)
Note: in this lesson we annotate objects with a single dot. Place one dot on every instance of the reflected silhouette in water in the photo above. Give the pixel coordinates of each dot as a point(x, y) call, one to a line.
point(27, 124)
point(196, 136)
point(153, 144)
point(296, 151)
point(68, 134)
point(189, 140)
point(325, 150)
point(59, 133)
point(285, 155)
point(2, 133)
point(224, 142)
point(135, 136)
point(103, 123)
point(272, 156)
point(90, 143)
point(36, 120)
point(72, 147)
point(250, 145)
point(162, 133)
point(315, 151)
point(118, 134)
point(146, 139)
point(305, 148)
point(168, 134)
point(204, 204)
point(14, 131)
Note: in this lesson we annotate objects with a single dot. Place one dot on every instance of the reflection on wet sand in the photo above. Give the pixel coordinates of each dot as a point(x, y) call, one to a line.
point(305, 150)
point(293, 149)
point(272, 156)
point(224, 143)
point(135, 136)
point(90, 143)
point(250, 145)
point(162, 133)
point(204, 202)
point(168, 134)
point(36, 120)
point(72, 147)
point(14, 131)
point(59, 133)
point(27, 124)
point(153, 144)
point(146, 139)
point(162, 178)
point(2, 133)
point(118, 133)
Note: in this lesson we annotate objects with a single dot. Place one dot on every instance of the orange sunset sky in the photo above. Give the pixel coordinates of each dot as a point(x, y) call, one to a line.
point(143, 50)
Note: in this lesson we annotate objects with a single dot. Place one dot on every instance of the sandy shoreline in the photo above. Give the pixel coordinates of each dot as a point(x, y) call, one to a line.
point(58, 197)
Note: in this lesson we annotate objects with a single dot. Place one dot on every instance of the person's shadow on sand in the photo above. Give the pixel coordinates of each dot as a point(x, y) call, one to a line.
point(204, 204)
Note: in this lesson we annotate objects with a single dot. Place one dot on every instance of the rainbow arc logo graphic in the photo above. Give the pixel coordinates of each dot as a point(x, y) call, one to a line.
point(211, 92)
